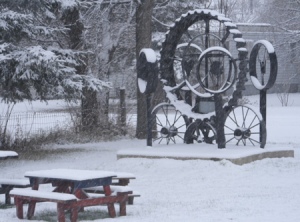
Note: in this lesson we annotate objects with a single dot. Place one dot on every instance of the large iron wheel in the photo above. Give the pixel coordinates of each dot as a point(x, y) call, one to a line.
point(205, 29)
point(186, 57)
point(263, 65)
point(170, 124)
point(200, 131)
point(243, 125)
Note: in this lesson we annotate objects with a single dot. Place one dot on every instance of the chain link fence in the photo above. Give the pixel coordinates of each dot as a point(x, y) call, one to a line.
point(27, 124)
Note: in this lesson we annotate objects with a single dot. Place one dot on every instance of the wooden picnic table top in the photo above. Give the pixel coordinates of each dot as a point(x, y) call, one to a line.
point(77, 179)
point(74, 181)
point(8, 154)
point(70, 174)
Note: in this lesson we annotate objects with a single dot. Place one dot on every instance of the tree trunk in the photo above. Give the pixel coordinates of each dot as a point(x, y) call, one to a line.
point(89, 110)
point(89, 104)
point(143, 40)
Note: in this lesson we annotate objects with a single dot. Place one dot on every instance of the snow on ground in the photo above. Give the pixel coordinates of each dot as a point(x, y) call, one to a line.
point(176, 190)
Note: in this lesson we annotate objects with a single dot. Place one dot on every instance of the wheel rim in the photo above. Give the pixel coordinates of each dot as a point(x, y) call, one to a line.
point(186, 56)
point(245, 126)
point(263, 65)
point(216, 70)
point(170, 125)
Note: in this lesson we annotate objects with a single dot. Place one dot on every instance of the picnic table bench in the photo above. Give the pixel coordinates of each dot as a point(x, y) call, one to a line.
point(114, 189)
point(64, 202)
point(69, 192)
point(4, 155)
point(122, 179)
point(6, 185)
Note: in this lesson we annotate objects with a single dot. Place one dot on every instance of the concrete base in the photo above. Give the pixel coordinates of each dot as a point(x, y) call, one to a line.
point(236, 154)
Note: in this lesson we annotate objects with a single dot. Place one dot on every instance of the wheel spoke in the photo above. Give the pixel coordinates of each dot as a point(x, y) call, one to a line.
point(167, 120)
point(235, 118)
point(166, 115)
point(252, 122)
point(244, 118)
point(180, 136)
point(228, 128)
point(161, 138)
point(160, 123)
point(254, 140)
point(183, 125)
point(229, 139)
point(229, 134)
point(172, 139)
point(254, 126)
point(251, 141)
point(244, 141)
point(176, 119)
point(168, 140)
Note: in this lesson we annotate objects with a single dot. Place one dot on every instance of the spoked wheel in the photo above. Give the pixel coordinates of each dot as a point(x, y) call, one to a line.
point(200, 131)
point(186, 56)
point(185, 59)
point(245, 126)
point(170, 124)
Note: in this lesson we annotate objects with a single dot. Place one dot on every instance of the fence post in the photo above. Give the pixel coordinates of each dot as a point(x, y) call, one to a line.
point(123, 115)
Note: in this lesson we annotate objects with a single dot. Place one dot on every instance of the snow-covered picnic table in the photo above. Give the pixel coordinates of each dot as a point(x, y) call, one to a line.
point(8, 154)
point(69, 191)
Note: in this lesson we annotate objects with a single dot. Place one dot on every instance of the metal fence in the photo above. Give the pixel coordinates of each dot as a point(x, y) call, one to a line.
point(28, 124)
point(25, 125)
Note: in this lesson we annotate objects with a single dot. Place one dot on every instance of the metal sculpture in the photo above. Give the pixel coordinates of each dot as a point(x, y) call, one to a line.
point(203, 83)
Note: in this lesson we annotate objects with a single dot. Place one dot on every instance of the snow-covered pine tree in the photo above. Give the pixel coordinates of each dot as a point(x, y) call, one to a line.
point(39, 59)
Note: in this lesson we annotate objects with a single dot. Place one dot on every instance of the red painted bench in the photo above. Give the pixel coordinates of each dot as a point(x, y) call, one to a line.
point(122, 179)
point(114, 189)
point(65, 202)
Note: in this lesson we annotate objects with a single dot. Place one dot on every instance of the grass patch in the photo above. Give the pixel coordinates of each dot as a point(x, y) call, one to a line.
point(6, 206)
point(33, 147)
point(89, 213)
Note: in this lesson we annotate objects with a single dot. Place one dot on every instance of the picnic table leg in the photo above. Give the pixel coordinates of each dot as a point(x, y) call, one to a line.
point(7, 197)
point(123, 208)
point(122, 203)
point(110, 206)
point(19, 207)
point(31, 204)
point(6, 189)
point(60, 213)
point(31, 208)
point(130, 200)
point(74, 214)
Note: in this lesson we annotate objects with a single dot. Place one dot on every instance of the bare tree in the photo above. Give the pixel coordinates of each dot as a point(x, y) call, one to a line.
point(102, 38)
point(284, 16)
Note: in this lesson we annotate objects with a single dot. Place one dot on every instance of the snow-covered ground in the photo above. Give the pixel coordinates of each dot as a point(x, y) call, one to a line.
point(193, 190)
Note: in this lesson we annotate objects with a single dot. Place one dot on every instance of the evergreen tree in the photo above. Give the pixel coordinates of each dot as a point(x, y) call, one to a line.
point(40, 56)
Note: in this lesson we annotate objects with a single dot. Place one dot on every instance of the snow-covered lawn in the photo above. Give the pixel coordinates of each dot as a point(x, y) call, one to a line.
point(193, 190)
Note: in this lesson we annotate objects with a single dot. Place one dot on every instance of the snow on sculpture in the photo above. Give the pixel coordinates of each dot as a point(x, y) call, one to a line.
point(204, 82)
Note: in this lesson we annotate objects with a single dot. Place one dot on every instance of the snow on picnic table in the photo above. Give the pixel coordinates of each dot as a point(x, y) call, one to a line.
point(8, 153)
point(193, 190)
point(70, 174)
